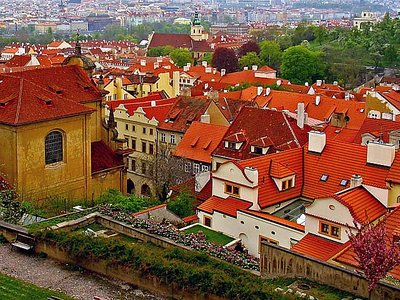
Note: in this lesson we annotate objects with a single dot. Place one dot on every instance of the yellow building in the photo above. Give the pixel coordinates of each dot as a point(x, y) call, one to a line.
point(51, 128)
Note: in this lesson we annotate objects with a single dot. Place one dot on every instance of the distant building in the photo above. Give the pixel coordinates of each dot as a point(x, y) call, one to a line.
point(366, 17)
point(237, 29)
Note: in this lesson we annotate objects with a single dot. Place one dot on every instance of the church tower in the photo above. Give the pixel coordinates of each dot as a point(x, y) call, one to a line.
point(196, 29)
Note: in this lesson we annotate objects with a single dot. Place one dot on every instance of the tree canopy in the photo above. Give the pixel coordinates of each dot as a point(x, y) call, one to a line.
point(181, 56)
point(249, 60)
point(225, 58)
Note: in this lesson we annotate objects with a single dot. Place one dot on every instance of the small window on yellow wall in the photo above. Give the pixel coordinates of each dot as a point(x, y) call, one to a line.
point(232, 189)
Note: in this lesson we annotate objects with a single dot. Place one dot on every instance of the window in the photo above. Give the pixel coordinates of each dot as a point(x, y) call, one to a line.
point(287, 184)
point(133, 128)
point(196, 168)
point(207, 221)
point(204, 168)
point(232, 189)
point(324, 178)
point(230, 145)
point(125, 96)
point(257, 150)
point(143, 168)
point(53, 147)
point(188, 167)
point(151, 149)
point(133, 166)
point(133, 142)
point(126, 127)
point(329, 229)
point(172, 139)
point(144, 147)
point(343, 182)
point(151, 131)
point(163, 139)
point(144, 130)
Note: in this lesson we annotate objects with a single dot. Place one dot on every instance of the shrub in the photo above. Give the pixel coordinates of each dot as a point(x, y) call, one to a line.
point(3, 240)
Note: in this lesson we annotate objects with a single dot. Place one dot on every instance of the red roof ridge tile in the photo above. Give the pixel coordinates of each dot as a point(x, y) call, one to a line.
point(148, 210)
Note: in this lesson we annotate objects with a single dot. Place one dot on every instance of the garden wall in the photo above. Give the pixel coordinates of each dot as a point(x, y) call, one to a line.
point(281, 262)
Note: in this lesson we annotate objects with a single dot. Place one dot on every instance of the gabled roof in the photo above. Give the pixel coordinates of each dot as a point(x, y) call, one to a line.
point(199, 141)
point(392, 224)
point(380, 128)
point(228, 206)
point(185, 111)
point(248, 76)
point(318, 247)
point(18, 61)
point(103, 158)
point(363, 206)
point(170, 39)
point(23, 101)
point(277, 170)
point(254, 127)
point(393, 97)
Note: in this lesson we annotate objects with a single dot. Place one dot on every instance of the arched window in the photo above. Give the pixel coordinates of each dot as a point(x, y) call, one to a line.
point(54, 147)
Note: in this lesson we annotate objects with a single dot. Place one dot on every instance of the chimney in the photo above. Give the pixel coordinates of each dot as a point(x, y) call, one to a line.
point(208, 70)
point(347, 96)
point(205, 118)
point(396, 87)
point(153, 103)
point(204, 63)
point(317, 100)
point(335, 83)
point(355, 180)
point(300, 115)
point(278, 82)
point(214, 71)
point(143, 62)
point(380, 154)
point(186, 68)
point(206, 86)
point(223, 72)
point(254, 67)
point(319, 82)
point(316, 141)
point(267, 91)
point(252, 174)
point(306, 84)
point(189, 65)
point(245, 68)
point(159, 59)
point(259, 90)
point(156, 65)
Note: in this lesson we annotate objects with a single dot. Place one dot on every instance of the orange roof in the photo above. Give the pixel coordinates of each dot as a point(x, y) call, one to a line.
point(275, 219)
point(228, 206)
point(317, 247)
point(380, 128)
point(248, 76)
point(363, 206)
point(55, 44)
point(190, 219)
point(200, 140)
point(393, 97)
point(278, 170)
point(392, 224)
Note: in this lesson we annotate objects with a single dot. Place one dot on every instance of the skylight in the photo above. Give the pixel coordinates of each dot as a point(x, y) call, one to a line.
point(324, 177)
point(344, 182)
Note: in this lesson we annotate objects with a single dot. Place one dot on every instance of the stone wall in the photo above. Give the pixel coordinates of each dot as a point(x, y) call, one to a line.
point(281, 262)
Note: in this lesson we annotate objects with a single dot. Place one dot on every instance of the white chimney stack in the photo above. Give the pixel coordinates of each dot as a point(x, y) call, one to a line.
point(278, 82)
point(208, 70)
point(223, 72)
point(306, 84)
point(319, 82)
point(317, 100)
point(380, 154)
point(267, 91)
point(316, 141)
point(300, 115)
point(204, 63)
point(245, 68)
point(205, 118)
point(355, 180)
point(143, 62)
point(259, 90)
point(254, 67)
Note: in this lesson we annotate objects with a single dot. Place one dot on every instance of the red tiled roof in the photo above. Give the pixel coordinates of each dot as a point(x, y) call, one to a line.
point(18, 61)
point(248, 76)
point(228, 206)
point(190, 219)
point(185, 111)
point(380, 128)
point(393, 97)
point(199, 141)
point(363, 206)
point(171, 39)
point(190, 186)
point(317, 247)
point(103, 158)
point(255, 126)
point(275, 219)
point(23, 101)
point(348, 257)
point(277, 170)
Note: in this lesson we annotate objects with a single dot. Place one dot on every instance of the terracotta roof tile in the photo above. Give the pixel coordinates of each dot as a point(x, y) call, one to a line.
point(275, 219)
point(103, 158)
point(318, 247)
point(228, 206)
point(380, 128)
point(277, 170)
point(199, 141)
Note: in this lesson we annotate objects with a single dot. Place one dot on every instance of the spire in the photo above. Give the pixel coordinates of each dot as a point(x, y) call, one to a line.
point(78, 48)
point(196, 20)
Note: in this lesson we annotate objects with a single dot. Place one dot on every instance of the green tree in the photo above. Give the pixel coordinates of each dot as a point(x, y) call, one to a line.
point(300, 65)
point(249, 60)
point(160, 51)
point(182, 205)
point(208, 57)
point(302, 32)
point(270, 53)
point(181, 57)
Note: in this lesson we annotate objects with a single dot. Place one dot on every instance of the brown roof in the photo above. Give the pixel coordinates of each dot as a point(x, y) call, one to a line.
point(103, 158)
point(171, 39)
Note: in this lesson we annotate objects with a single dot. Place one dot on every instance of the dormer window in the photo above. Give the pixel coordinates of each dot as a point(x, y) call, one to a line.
point(232, 145)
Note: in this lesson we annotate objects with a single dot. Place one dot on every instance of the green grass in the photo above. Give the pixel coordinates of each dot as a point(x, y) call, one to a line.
point(211, 235)
point(48, 223)
point(12, 288)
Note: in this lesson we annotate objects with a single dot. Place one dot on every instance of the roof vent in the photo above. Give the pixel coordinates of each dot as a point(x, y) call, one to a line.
point(355, 180)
